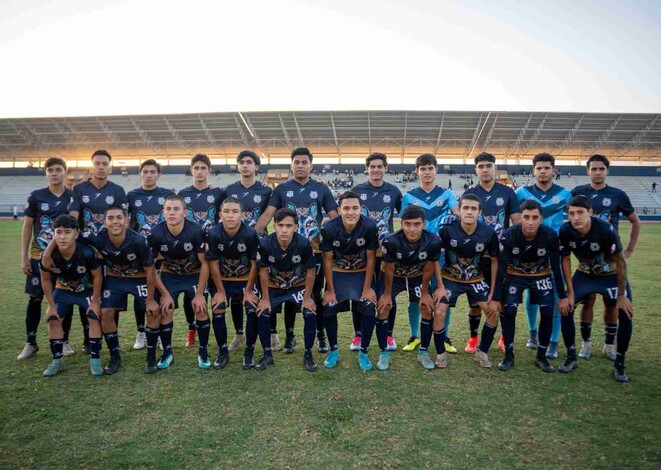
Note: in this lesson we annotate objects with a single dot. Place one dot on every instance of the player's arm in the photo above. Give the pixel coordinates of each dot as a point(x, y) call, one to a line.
point(384, 304)
point(427, 273)
point(97, 285)
point(327, 263)
point(199, 302)
point(74, 205)
point(635, 232)
point(214, 270)
point(47, 255)
point(47, 287)
point(623, 302)
point(308, 303)
point(368, 292)
point(265, 218)
point(264, 302)
point(152, 306)
point(26, 236)
point(566, 271)
point(515, 218)
point(502, 260)
point(249, 296)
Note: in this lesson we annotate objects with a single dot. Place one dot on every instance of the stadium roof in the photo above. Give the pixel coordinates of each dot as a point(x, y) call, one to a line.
point(452, 134)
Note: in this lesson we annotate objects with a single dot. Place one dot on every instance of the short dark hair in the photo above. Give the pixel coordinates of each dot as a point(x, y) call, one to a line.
point(176, 197)
point(580, 201)
point(543, 157)
point(376, 156)
point(425, 159)
point(471, 197)
point(348, 195)
point(598, 158)
point(151, 162)
point(231, 200)
point(66, 221)
point(413, 212)
point(52, 161)
point(117, 207)
point(284, 212)
point(200, 157)
point(248, 153)
point(530, 205)
point(485, 157)
point(102, 153)
point(301, 151)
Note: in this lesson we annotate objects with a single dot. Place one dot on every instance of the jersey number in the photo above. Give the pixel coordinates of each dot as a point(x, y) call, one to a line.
point(480, 286)
point(612, 293)
point(544, 284)
point(298, 296)
point(142, 291)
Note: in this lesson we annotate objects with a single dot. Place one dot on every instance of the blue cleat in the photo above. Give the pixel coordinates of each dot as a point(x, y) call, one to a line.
point(384, 361)
point(95, 367)
point(165, 361)
point(203, 363)
point(57, 365)
point(364, 361)
point(332, 359)
point(425, 360)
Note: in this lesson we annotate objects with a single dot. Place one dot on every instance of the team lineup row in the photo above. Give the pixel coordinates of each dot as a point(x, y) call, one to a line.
point(475, 249)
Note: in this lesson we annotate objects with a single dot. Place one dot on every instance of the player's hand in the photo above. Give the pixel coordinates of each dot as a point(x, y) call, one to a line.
point(570, 299)
point(219, 298)
point(426, 302)
point(330, 298)
point(263, 305)
point(26, 267)
point(439, 294)
point(167, 303)
point(251, 298)
point(95, 307)
point(309, 304)
point(51, 312)
point(563, 307)
point(495, 307)
point(628, 253)
point(624, 304)
point(384, 305)
point(152, 307)
point(199, 303)
point(369, 295)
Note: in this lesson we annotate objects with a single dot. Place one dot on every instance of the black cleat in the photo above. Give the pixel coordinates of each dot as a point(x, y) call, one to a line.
point(544, 365)
point(620, 375)
point(221, 361)
point(322, 345)
point(570, 365)
point(507, 363)
point(151, 366)
point(290, 343)
point(113, 365)
point(309, 363)
point(264, 362)
point(248, 362)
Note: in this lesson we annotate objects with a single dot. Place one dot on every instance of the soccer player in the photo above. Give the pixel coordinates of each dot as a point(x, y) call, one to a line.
point(146, 210)
point(255, 198)
point(179, 243)
point(553, 199)
point(529, 253)
point(380, 200)
point(437, 203)
point(287, 274)
point(231, 253)
point(43, 206)
point(349, 243)
point(409, 258)
point(203, 202)
point(78, 276)
point(306, 197)
point(499, 206)
point(607, 204)
point(465, 242)
point(602, 270)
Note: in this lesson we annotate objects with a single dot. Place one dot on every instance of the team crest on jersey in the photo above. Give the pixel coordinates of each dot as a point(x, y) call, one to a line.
point(44, 206)
point(541, 252)
point(188, 246)
point(479, 247)
point(164, 248)
point(606, 202)
point(257, 198)
point(572, 244)
point(336, 243)
point(131, 256)
point(221, 247)
point(81, 269)
point(500, 201)
point(210, 199)
point(512, 290)
point(106, 294)
point(138, 203)
point(35, 281)
point(161, 200)
point(594, 246)
point(241, 247)
point(271, 259)
point(360, 242)
point(422, 255)
point(86, 199)
point(296, 259)
point(363, 197)
point(110, 199)
point(515, 250)
point(399, 256)
point(439, 202)
point(290, 194)
point(313, 194)
point(555, 199)
point(386, 198)
point(453, 243)
point(187, 199)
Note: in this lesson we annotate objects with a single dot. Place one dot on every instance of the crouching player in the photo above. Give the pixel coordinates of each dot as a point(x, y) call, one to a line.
point(349, 244)
point(287, 274)
point(601, 270)
point(409, 258)
point(529, 253)
point(78, 282)
point(179, 242)
point(231, 253)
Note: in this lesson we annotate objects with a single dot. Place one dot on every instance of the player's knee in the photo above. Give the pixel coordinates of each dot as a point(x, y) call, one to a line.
point(201, 316)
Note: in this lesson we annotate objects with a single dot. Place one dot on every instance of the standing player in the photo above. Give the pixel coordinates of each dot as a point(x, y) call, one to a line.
point(255, 198)
point(436, 203)
point(607, 204)
point(287, 274)
point(349, 244)
point(146, 210)
point(380, 200)
point(410, 256)
point(307, 198)
point(553, 199)
point(499, 206)
point(43, 206)
point(203, 203)
point(602, 270)
point(78, 282)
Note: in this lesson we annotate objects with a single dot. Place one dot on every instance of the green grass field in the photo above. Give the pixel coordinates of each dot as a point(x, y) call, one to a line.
point(460, 417)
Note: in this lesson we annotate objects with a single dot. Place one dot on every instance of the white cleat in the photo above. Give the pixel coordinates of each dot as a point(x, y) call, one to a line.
point(29, 350)
point(237, 343)
point(482, 359)
point(609, 351)
point(586, 350)
point(67, 350)
point(275, 342)
point(441, 360)
point(140, 340)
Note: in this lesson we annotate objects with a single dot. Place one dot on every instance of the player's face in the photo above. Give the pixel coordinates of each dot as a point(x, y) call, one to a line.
point(65, 238)
point(101, 168)
point(174, 212)
point(376, 170)
point(469, 211)
point(426, 173)
point(301, 166)
point(116, 222)
point(486, 171)
point(531, 219)
point(543, 172)
point(149, 176)
point(285, 229)
point(350, 211)
point(55, 174)
point(413, 229)
point(200, 172)
point(231, 215)
point(597, 172)
point(579, 217)
point(247, 167)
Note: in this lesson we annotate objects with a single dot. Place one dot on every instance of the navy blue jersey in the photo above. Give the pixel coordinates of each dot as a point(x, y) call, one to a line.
point(607, 203)
point(74, 274)
point(179, 252)
point(349, 249)
point(380, 204)
point(44, 207)
point(91, 203)
point(234, 254)
point(203, 205)
point(595, 252)
point(146, 208)
point(410, 258)
point(287, 268)
point(463, 251)
point(307, 200)
point(254, 199)
point(437, 204)
point(126, 260)
point(497, 205)
point(553, 202)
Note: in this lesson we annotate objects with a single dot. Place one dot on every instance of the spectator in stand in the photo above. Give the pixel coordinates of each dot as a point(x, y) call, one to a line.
point(654, 187)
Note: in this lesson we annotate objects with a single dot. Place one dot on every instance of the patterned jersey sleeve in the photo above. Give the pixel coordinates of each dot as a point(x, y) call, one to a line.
point(74, 205)
point(492, 245)
point(389, 255)
point(625, 205)
point(513, 205)
point(31, 206)
point(262, 254)
point(212, 247)
point(434, 252)
point(325, 244)
point(452, 200)
point(372, 242)
point(612, 241)
point(145, 253)
point(564, 235)
point(276, 198)
point(253, 245)
point(328, 202)
point(90, 239)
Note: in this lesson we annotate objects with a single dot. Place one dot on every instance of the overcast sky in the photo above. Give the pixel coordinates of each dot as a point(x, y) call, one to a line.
point(68, 58)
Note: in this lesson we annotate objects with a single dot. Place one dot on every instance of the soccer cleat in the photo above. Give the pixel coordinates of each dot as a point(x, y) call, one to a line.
point(290, 343)
point(448, 346)
point(332, 359)
point(425, 360)
point(482, 359)
point(552, 351)
point(237, 343)
point(471, 346)
point(586, 350)
point(276, 345)
point(322, 345)
point(56, 365)
point(113, 365)
point(29, 350)
point(392, 345)
point(95, 367)
point(364, 361)
point(165, 361)
point(248, 362)
point(609, 352)
point(506, 364)
point(203, 363)
point(190, 339)
point(264, 362)
point(441, 360)
point(618, 373)
point(308, 362)
point(532, 341)
point(140, 340)
point(544, 365)
point(355, 343)
point(221, 361)
point(411, 344)
point(151, 366)
point(570, 365)
point(501, 343)
point(384, 361)
point(67, 350)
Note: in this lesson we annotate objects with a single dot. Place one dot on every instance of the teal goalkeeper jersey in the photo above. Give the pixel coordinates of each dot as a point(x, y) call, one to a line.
point(553, 202)
point(437, 204)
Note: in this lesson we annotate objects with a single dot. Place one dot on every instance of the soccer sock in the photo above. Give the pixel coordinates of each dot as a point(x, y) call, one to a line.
point(56, 347)
point(273, 322)
point(425, 334)
point(32, 318)
point(166, 338)
point(252, 322)
point(448, 317)
point(320, 319)
point(190, 313)
point(140, 313)
point(66, 324)
point(508, 324)
point(203, 335)
point(531, 313)
point(439, 341)
point(112, 341)
point(117, 319)
point(237, 314)
point(220, 332)
point(488, 332)
point(545, 329)
point(368, 322)
point(473, 325)
point(382, 334)
point(264, 330)
point(556, 326)
point(309, 330)
point(356, 317)
point(610, 330)
point(391, 319)
point(414, 319)
point(586, 331)
point(152, 340)
point(569, 335)
point(95, 348)
point(290, 318)
point(331, 329)
point(85, 324)
point(624, 332)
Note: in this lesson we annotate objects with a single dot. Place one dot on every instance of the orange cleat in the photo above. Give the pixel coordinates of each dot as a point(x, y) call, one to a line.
point(471, 346)
point(501, 343)
point(190, 340)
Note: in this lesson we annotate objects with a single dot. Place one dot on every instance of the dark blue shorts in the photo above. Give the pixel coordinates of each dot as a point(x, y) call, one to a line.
point(278, 297)
point(541, 290)
point(117, 289)
point(475, 291)
point(177, 284)
point(606, 286)
point(349, 287)
point(233, 289)
point(33, 281)
point(66, 299)
point(411, 285)
point(319, 279)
